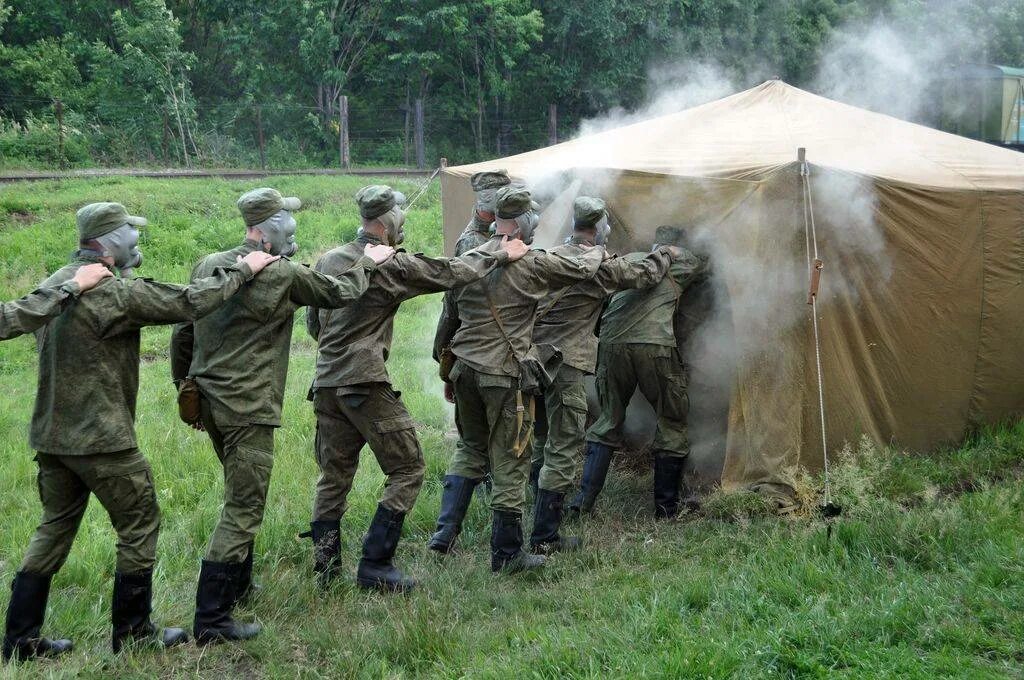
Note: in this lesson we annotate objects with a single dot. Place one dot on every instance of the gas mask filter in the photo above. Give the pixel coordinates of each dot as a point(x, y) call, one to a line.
point(279, 233)
point(122, 245)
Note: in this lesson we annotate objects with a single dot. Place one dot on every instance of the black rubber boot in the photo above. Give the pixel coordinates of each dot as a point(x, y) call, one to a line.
point(547, 519)
point(129, 613)
point(458, 492)
point(595, 472)
point(29, 593)
point(376, 570)
point(668, 473)
point(215, 598)
point(247, 590)
point(507, 544)
point(326, 535)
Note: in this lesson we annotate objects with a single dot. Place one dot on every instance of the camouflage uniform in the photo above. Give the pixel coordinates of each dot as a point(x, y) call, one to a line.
point(36, 309)
point(83, 428)
point(638, 349)
point(238, 357)
point(492, 415)
point(354, 401)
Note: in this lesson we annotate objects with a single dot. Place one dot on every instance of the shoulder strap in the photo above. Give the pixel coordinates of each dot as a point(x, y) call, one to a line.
point(554, 302)
point(501, 327)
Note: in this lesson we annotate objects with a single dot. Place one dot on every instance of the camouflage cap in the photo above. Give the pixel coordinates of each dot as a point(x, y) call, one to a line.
point(587, 211)
point(670, 236)
point(259, 205)
point(97, 219)
point(513, 201)
point(377, 199)
point(489, 179)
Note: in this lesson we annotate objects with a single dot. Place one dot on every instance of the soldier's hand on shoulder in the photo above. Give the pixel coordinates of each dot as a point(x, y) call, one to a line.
point(515, 248)
point(257, 260)
point(379, 253)
point(675, 251)
point(89, 275)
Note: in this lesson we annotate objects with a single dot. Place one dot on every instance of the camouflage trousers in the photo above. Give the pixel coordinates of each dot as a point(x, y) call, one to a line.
point(346, 419)
point(659, 373)
point(247, 454)
point(123, 483)
point(559, 430)
point(495, 422)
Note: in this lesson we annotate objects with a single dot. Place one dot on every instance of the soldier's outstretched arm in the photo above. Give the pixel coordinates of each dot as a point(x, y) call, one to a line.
point(152, 303)
point(619, 273)
point(557, 271)
point(312, 288)
point(41, 306)
point(408, 276)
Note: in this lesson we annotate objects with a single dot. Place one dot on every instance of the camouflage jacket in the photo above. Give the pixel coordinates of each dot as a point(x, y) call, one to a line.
point(355, 341)
point(568, 320)
point(648, 316)
point(476, 233)
point(239, 355)
point(89, 356)
point(514, 291)
point(35, 309)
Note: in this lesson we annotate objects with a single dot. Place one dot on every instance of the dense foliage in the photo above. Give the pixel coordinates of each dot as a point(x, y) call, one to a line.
point(194, 81)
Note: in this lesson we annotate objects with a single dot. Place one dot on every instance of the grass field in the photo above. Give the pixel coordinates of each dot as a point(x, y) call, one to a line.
point(922, 577)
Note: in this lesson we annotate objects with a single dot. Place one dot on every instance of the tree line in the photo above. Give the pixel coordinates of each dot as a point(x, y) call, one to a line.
point(209, 82)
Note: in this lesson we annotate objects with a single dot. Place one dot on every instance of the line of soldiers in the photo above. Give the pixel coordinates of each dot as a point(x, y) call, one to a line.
point(517, 329)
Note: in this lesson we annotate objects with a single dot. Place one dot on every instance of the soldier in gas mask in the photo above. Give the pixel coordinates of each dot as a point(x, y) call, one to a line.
point(352, 395)
point(566, 324)
point(238, 359)
point(638, 348)
point(490, 376)
point(83, 425)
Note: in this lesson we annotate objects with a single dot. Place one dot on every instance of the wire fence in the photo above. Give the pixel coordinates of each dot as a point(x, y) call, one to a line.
point(269, 135)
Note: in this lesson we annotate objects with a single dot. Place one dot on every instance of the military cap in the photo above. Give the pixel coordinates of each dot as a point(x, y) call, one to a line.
point(377, 199)
point(670, 236)
point(513, 201)
point(587, 211)
point(489, 179)
point(259, 205)
point(97, 219)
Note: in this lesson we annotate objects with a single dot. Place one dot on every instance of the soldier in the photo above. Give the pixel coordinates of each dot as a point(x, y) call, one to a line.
point(83, 425)
point(476, 233)
point(352, 394)
point(567, 323)
point(238, 358)
point(638, 348)
point(492, 348)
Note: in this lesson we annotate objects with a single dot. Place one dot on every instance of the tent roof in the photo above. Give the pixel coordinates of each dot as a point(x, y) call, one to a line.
point(750, 133)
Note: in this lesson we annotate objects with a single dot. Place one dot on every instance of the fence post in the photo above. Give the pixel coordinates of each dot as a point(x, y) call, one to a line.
point(58, 107)
point(552, 124)
point(343, 145)
point(259, 137)
point(421, 152)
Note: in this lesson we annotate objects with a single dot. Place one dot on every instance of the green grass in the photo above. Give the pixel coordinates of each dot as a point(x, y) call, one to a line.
point(922, 576)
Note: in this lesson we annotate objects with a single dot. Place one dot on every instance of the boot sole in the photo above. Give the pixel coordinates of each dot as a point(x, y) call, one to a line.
point(384, 587)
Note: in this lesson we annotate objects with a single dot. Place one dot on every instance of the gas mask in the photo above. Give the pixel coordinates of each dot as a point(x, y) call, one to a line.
point(122, 245)
point(486, 202)
point(393, 221)
point(279, 233)
point(527, 223)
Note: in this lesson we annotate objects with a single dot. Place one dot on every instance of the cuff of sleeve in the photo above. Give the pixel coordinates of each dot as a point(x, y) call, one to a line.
point(71, 288)
point(501, 256)
point(367, 262)
point(245, 269)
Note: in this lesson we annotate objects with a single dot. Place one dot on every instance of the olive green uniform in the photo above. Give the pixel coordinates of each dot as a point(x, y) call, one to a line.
point(36, 309)
point(567, 323)
point(638, 349)
point(83, 424)
point(238, 357)
point(492, 415)
point(352, 395)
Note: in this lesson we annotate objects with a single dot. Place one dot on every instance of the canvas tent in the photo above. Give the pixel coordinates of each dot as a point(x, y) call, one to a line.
point(921, 308)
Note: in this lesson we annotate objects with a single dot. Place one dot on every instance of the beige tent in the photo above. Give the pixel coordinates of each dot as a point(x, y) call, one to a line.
point(921, 309)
